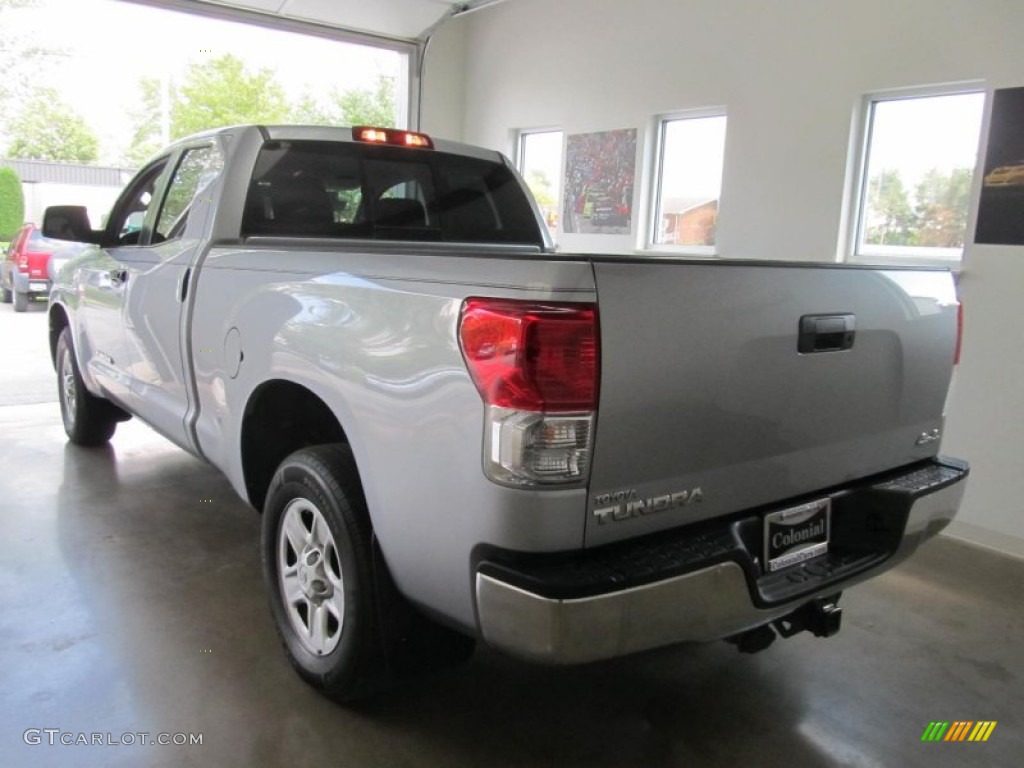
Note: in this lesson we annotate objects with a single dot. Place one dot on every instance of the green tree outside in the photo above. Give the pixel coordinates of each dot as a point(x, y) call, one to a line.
point(366, 107)
point(146, 139)
point(212, 94)
point(941, 206)
point(225, 92)
point(12, 204)
point(22, 59)
point(47, 128)
point(540, 186)
point(359, 106)
point(937, 217)
point(890, 207)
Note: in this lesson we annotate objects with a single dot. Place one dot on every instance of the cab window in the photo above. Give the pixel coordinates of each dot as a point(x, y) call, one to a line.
point(127, 220)
point(349, 190)
point(197, 168)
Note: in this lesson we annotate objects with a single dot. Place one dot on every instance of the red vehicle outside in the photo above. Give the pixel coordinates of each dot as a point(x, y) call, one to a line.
point(25, 274)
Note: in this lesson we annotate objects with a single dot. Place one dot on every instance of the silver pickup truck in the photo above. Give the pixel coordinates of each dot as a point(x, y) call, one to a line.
point(455, 432)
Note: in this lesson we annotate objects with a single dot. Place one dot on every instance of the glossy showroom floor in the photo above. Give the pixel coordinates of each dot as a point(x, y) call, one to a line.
point(132, 602)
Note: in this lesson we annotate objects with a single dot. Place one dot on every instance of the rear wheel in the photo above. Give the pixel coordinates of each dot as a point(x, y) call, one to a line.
point(88, 420)
point(20, 301)
point(346, 628)
point(5, 292)
point(318, 569)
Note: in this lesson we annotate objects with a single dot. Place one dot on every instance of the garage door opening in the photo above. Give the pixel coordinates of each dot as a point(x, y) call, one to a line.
point(103, 82)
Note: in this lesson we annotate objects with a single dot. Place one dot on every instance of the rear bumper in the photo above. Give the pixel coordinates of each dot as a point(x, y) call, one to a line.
point(677, 587)
point(36, 286)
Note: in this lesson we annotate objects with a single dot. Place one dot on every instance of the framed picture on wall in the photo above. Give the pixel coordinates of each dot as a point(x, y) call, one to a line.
point(599, 173)
point(1001, 209)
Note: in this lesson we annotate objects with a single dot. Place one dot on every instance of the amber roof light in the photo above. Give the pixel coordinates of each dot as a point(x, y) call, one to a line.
point(392, 136)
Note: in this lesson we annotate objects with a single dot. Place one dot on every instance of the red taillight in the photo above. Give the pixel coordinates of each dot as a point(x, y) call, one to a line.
point(34, 262)
point(959, 333)
point(536, 367)
point(392, 136)
point(531, 356)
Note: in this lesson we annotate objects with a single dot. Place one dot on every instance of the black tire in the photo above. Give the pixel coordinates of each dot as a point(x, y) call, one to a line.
point(88, 420)
point(383, 638)
point(5, 293)
point(323, 480)
point(20, 301)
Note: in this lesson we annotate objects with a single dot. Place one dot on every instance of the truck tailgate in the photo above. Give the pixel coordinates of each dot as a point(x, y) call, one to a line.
point(726, 386)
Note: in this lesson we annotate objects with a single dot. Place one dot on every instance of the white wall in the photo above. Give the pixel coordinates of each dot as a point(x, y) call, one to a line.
point(986, 419)
point(98, 200)
point(791, 75)
point(444, 81)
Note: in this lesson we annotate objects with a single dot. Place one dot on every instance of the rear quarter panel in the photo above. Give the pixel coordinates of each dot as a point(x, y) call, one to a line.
point(372, 332)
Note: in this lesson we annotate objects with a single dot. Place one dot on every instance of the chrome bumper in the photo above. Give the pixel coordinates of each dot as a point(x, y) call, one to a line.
point(704, 605)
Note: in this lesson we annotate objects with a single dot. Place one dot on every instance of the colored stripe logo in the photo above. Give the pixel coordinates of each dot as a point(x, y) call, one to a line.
point(959, 730)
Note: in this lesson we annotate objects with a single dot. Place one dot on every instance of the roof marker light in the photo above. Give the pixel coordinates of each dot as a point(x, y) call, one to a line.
point(390, 136)
point(416, 140)
point(372, 134)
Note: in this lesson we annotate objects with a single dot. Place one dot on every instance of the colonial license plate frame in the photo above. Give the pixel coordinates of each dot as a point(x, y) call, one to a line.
point(796, 534)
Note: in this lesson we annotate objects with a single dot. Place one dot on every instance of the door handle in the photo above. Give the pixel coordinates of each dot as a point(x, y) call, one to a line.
point(826, 333)
point(118, 277)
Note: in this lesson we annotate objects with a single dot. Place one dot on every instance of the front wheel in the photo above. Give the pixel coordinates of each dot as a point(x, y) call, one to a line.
point(88, 420)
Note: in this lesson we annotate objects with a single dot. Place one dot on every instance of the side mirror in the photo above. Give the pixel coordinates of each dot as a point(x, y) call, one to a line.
point(68, 222)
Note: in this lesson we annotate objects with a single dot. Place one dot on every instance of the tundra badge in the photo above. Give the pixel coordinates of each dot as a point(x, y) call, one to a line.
point(624, 505)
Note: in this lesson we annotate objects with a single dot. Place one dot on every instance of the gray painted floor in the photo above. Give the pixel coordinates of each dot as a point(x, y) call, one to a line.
point(132, 602)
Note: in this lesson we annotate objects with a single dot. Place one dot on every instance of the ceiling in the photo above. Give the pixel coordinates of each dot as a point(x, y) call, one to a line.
point(403, 20)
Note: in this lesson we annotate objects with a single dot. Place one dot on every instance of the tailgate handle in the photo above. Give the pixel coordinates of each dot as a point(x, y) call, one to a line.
point(826, 333)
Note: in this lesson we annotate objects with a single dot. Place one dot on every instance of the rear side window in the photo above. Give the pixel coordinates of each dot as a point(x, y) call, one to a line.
point(346, 190)
point(197, 168)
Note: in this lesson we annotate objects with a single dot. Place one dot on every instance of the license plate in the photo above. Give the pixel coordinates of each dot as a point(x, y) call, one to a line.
point(38, 287)
point(796, 534)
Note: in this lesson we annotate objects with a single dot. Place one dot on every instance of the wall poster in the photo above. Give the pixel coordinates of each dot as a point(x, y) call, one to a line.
point(599, 173)
point(1001, 209)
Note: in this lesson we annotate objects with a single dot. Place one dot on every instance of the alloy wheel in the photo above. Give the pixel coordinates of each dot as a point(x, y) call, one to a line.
point(310, 578)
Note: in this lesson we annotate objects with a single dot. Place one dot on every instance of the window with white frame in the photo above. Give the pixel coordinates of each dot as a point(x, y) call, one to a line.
point(918, 158)
point(540, 163)
point(688, 181)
